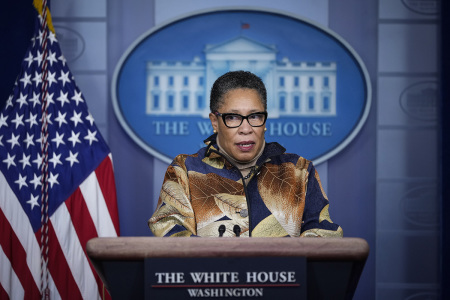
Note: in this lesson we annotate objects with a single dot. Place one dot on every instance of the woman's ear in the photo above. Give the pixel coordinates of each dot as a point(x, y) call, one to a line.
point(214, 122)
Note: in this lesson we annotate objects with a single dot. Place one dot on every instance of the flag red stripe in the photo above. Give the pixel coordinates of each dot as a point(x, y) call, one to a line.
point(3, 293)
point(60, 270)
point(81, 218)
point(84, 226)
point(105, 177)
point(18, 258)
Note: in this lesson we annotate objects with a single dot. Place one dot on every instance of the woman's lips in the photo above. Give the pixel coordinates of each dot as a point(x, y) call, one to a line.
point(245, 146)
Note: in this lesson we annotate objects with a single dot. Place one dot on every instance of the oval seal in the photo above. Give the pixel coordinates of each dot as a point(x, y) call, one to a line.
point(72, 42)
point(425, 7)
point(424, 296)
point(420, 206)
point(319, 91)
point(420, 100)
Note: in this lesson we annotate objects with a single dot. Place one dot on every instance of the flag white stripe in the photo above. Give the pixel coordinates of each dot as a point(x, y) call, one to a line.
point(111, 159)
point(73, 252)
point(15, 215)
point(96, 205)
point(54, 294)
point(8, 278)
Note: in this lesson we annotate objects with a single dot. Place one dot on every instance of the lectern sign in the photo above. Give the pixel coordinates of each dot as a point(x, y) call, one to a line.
point(236, 277)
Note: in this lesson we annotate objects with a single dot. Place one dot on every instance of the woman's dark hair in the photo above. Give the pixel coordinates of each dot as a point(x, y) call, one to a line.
point(236, 80)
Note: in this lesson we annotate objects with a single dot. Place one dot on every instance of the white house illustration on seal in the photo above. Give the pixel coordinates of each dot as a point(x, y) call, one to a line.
point(293, 88)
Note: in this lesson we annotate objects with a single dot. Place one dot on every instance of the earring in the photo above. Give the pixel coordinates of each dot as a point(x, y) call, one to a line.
point(265, 129)
point(214, 131)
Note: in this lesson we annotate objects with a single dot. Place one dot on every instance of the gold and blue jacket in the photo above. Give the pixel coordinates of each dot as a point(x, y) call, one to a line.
point(283, 197)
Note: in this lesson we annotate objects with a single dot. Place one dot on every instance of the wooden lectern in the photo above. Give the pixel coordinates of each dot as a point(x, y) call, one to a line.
point(333, 265)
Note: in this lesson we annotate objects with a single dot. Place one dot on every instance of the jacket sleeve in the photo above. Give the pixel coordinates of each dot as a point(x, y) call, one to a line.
point(316, 218)
point(174, 215)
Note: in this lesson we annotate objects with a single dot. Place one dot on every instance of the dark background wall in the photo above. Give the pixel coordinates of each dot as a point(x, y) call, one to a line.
point(16, 30)
point(445, 140)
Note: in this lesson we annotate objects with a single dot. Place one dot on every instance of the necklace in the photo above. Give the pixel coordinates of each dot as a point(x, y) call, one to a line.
point(250, 173)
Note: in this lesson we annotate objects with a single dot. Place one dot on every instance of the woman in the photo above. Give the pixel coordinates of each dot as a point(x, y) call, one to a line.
point(238, 185)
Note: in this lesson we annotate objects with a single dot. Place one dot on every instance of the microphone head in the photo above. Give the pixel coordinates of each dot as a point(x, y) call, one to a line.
point(237, 230)
point(221, 230)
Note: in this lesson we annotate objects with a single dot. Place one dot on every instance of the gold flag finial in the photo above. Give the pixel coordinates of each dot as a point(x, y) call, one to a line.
point(38, 5)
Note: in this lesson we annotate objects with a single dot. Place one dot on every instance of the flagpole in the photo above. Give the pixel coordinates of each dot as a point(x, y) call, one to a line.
point(45, 291)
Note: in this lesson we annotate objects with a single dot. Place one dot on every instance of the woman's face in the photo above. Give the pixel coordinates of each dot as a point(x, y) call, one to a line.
point(243, 143)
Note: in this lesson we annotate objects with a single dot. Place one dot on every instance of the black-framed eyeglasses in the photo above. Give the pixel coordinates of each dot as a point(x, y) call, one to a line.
point(256, 119)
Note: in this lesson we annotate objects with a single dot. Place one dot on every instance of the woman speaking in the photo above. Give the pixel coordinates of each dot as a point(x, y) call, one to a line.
point(239, 185)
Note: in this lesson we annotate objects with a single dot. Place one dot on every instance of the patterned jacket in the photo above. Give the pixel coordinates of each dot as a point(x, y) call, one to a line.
point(202, 191)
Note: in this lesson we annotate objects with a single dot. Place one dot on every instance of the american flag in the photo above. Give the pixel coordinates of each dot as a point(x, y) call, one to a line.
point(79, 177)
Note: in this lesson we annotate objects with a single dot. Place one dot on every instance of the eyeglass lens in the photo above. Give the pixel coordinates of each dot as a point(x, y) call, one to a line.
point(235, 120)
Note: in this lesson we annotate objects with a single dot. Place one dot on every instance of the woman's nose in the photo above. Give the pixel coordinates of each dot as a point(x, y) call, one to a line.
point(245, 127)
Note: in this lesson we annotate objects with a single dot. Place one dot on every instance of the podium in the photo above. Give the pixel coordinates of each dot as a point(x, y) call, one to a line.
point(331, 266)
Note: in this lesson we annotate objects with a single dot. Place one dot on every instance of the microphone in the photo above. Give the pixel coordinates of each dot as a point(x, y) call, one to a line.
point(237, 230)
point(221, 230)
